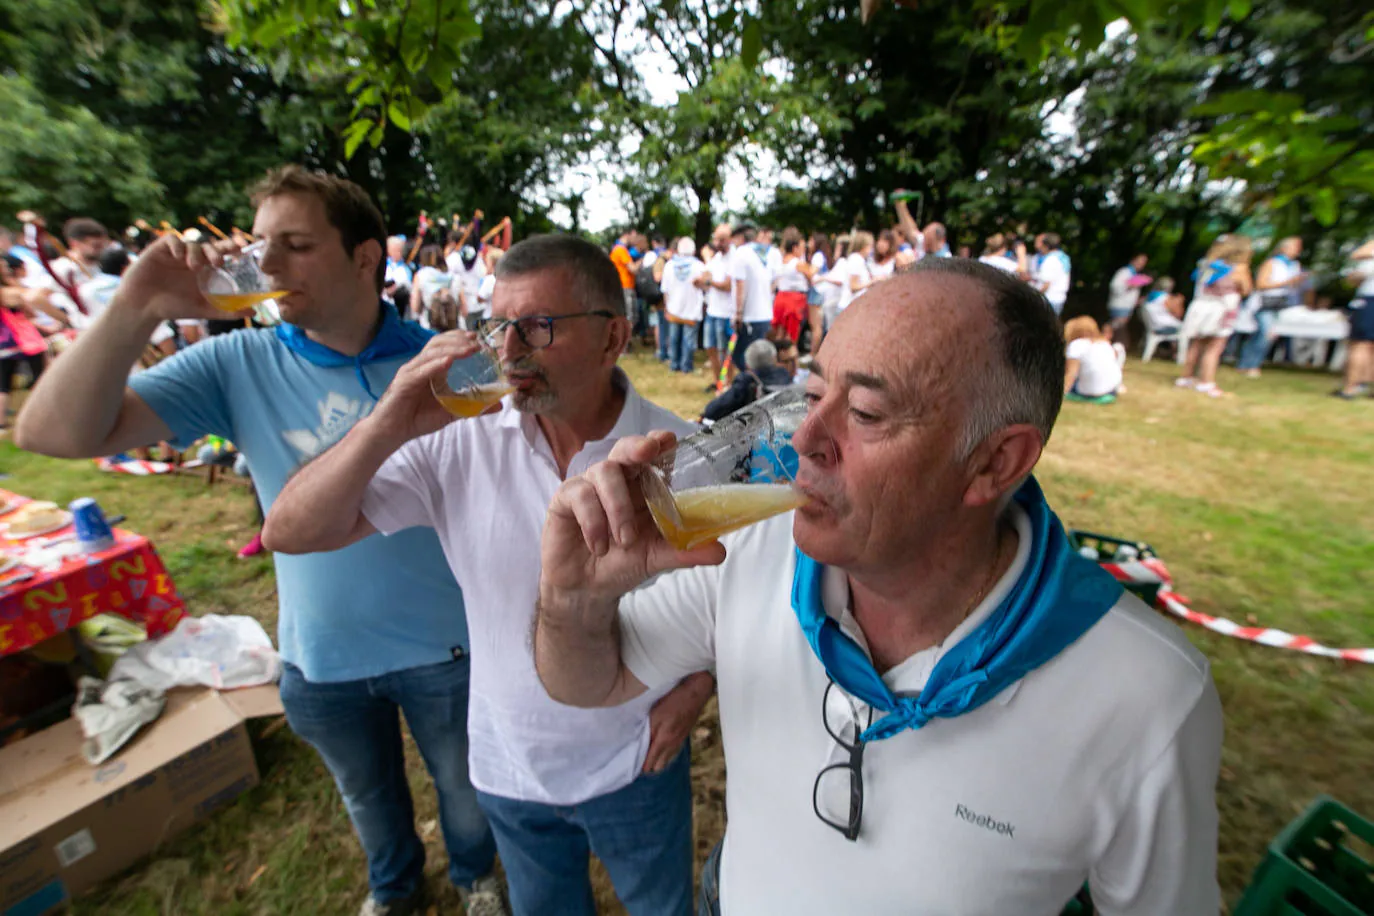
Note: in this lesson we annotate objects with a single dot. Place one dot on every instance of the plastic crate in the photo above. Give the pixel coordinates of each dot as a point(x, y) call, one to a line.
point(1312, 868)
point(1080, 905)
point(1106, 548)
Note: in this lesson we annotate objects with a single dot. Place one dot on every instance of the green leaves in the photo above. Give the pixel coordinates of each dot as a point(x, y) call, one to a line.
point(403, 56)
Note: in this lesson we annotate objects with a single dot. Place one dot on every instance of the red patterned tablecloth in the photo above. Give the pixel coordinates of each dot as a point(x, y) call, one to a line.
point(128, 579)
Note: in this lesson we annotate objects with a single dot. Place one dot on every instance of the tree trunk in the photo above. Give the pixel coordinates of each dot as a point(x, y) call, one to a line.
point(701, 228)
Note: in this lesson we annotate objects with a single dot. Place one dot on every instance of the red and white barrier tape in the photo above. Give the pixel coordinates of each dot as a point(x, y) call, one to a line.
point(1153, 571)
point(135, 466)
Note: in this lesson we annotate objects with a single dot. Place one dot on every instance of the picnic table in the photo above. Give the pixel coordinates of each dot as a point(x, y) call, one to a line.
point(1310, 329)
point(38, 603)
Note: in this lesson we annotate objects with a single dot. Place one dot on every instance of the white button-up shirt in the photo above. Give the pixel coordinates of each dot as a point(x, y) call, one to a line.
point(485, 485)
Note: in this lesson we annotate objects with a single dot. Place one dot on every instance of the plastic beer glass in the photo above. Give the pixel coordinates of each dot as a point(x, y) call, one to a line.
point(737, 472)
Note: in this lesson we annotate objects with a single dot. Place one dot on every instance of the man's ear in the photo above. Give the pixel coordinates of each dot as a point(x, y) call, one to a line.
point(618, 338)
point(1001, 462)
point(367, 256)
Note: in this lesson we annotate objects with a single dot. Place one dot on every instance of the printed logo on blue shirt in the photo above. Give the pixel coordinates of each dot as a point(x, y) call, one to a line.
point(338, 414)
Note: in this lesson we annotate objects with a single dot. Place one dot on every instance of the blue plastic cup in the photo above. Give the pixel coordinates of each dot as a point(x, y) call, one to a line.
point(93, 533)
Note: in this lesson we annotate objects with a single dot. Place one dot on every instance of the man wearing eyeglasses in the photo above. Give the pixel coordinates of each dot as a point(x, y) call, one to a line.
point(554, 781)
point(929, 702)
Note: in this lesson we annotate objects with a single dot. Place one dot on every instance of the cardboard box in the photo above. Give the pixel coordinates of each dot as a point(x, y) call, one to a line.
point(65, 825)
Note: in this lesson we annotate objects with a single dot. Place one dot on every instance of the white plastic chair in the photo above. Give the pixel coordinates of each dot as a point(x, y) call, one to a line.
point(1155, 335)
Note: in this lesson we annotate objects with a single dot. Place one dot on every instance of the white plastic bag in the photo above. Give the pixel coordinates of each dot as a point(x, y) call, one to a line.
point(214, 651)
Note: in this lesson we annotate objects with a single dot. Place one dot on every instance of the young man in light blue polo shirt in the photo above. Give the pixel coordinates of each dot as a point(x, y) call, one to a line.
point(367, 632)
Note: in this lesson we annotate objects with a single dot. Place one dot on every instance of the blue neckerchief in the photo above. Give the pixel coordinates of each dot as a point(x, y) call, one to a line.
point(394, 338)
point(1057, 597)
point(682, 266)
point(761, 250)
point(1212, 272)
point(1287, 262)
point(1157, 294)
point(1059, 253)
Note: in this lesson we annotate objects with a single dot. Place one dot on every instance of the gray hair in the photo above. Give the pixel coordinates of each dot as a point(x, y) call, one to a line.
point(595, 281)
point(1024, 382)
point(760, 355)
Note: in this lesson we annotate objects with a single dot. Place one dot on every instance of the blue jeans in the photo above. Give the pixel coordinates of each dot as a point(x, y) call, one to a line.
point(660, 324)
point(708, 902)
point(1256, 346)
point(750, 331)
point(641, 833)
point(682, 344)
point(355, 726)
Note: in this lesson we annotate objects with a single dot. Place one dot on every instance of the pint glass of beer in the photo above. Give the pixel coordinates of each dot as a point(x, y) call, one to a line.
point(239, 282)
point(473, 384)
point(738, 472)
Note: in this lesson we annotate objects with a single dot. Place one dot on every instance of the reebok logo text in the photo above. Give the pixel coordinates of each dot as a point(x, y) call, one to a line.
point(987, 823)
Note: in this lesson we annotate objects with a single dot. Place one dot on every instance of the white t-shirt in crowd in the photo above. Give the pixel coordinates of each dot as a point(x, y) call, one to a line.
point(720, 303)
point(749, 266)
point(96, 295)
point(774, 259)
point(681, 297)
point(398, 272)
point(484, 291)
point(1366, 268)
point(1281, 271)
point(1160, 317)
point(428, 282)
point(468, 280)
point(852, 266)
point(881, 271)
point(1099, 372)
point(789, 279)
point(1008, 808)
point(1122, 296)
point(1000, 261)
point(485, 485)
point(1054, 272)
point(818, 262)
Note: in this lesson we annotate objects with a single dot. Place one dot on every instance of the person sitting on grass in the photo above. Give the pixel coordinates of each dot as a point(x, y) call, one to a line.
point(1092, 365)
point(762, 376)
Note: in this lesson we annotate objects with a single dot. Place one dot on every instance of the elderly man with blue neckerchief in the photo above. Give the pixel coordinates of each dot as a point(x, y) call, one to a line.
point(929, 702)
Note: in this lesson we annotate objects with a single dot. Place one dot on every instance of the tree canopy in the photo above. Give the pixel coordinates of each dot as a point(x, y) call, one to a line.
point(1005, 115)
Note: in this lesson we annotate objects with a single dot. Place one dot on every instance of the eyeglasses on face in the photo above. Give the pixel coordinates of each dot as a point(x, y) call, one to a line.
point(536, 331)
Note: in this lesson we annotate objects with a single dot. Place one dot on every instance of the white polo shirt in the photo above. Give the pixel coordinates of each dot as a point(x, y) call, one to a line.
point(485, 485)
point(1099, 765)
point(852, 267)
point(682, 299)
point(720, 303)
point(1054, 273)
point(751, 268)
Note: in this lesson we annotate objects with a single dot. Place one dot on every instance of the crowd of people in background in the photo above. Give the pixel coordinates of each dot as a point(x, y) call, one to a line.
point(746, 283)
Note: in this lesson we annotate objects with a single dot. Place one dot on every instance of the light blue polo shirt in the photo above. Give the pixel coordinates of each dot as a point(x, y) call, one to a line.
point(382, 604)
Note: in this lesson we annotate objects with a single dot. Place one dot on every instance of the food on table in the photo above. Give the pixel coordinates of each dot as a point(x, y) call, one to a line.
point(34, 518)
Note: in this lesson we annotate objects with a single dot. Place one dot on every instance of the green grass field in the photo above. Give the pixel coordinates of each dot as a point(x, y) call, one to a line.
point(1262, 504)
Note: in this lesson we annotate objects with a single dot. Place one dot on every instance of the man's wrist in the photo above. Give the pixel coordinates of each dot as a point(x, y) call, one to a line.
point(133, 313)
point(374, 439)
point(576, 616)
